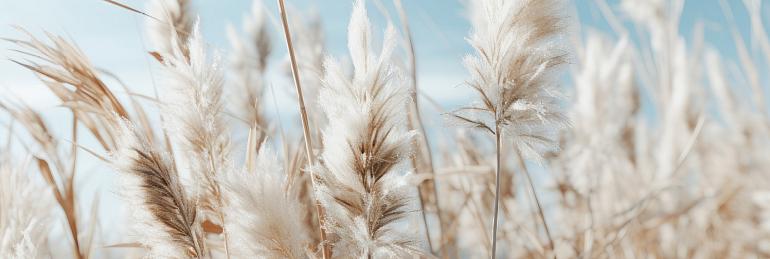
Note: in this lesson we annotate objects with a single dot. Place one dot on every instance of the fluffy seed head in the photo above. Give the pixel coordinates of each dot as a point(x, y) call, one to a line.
point(365, 143)
point(513, 73)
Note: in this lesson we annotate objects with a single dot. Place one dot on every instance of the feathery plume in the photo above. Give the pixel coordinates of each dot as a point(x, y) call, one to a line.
point(604, 110)
point(362, 181)
point(195, 108)
point(172, 26)
point(513, 73)
point(263, 219)
point(167, 221)
point(600, 148)
point(24, 216)
point(248, 61)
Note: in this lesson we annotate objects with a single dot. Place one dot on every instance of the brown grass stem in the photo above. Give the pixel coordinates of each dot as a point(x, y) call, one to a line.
point(325, 249)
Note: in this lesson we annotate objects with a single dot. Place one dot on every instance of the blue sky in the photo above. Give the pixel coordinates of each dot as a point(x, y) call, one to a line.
point(112, 37)
point(113, 40)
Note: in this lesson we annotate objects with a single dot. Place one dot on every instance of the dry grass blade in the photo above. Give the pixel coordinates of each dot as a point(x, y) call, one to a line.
point(325, 246)
point(63, 191)
point(124, 6)
point(71, 77)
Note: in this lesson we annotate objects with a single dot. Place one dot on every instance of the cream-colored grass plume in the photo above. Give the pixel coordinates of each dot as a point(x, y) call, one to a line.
point(362, 174)
point(596, 169)
point(195, 109)
point(167, 220)
point(513, 73)
point(603, 115)
point(248, 61)
point(264, 221)
point(24, 212)
point(194, 114)
point(171, 27)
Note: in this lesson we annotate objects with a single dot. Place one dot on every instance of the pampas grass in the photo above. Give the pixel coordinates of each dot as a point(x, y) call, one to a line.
point(167, 220)
point(249, 61)
point(654, 147)
point(264, 219)
point(171, 26)
point(513, 74)
point(195, 110)
point(365, 143)
point(23, 224)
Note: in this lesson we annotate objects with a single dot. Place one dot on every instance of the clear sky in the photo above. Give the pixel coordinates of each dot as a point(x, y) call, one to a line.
point(113, 40)
point(112, 37)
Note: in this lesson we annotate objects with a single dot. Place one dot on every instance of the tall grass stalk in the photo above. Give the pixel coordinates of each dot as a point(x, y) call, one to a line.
point(513, 72)
point(325, 247)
